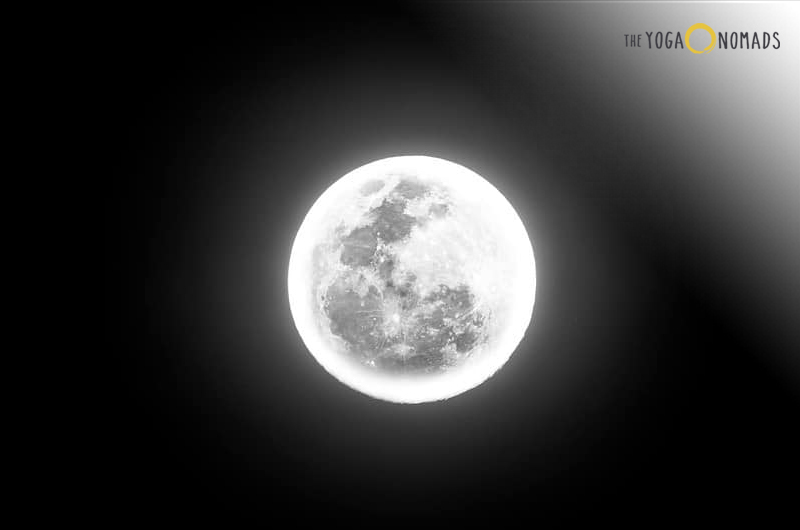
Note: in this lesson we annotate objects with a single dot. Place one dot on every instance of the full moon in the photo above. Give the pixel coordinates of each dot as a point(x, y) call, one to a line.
point(412, 279)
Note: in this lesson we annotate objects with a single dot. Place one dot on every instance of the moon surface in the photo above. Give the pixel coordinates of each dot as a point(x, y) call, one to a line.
point(412, 279)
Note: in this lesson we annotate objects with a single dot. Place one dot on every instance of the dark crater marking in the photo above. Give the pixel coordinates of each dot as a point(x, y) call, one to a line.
point(422, 342)
point(388, 326)
point(410, 189)
point(388, 224)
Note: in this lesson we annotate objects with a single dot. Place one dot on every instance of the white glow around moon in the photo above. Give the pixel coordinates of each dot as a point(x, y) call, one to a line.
point(473, 238)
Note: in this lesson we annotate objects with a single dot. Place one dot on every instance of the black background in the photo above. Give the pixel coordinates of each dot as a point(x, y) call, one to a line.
point(636, 383)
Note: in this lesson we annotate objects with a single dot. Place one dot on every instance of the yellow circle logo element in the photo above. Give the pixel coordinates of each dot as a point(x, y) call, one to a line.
point(710, 32)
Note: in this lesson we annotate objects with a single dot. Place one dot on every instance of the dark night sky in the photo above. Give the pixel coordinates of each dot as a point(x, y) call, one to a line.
point(647, 377)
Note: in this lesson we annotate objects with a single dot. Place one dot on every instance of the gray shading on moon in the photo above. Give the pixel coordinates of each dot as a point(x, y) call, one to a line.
point(386, 321)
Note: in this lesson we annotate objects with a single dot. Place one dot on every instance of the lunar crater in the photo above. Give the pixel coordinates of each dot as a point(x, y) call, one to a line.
point(387, 321)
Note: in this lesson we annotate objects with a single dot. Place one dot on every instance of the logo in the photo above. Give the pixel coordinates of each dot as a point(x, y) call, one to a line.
point(727, 40)
point(710, 32)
